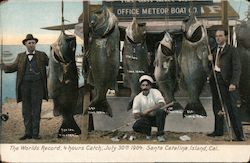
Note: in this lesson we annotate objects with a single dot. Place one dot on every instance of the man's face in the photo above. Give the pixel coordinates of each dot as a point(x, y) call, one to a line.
point(30, 45)
point(145, 87)
point(220, 37)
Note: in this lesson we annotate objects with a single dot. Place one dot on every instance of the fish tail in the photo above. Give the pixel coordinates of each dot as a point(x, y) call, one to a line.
point(69, 126)
point(130, 104)
point(194, 108)
point(99, 106)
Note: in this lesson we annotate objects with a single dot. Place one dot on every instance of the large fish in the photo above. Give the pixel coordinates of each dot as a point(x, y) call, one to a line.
point(63, 82)
point(103, 58)
point(166, 70)
point(243, 38)
point(193, 64)
point(134, 57)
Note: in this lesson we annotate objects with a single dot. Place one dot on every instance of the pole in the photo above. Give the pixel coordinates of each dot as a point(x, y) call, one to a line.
point(1, 79)
point(224, 110)
point(165, 107)
point(87, 124)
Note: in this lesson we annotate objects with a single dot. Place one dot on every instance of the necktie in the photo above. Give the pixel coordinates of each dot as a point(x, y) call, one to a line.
point(217, 61)
point(30, 56)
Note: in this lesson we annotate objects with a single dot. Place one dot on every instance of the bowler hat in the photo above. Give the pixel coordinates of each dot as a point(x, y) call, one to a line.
point(29, 37)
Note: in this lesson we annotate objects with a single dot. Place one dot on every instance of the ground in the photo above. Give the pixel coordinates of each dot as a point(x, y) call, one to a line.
point(13, 128)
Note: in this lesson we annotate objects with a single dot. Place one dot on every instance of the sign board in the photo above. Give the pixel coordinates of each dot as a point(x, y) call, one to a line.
point(151, 9)
point(165, 9)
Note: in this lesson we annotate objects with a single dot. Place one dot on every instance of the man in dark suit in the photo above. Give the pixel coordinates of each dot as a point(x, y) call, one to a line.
point(31, 84)
point(227, 69)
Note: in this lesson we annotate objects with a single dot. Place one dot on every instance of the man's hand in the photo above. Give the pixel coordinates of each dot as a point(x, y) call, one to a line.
point(232, 87)
point(146, 111)
point(1, 66)
point(137, 115)
point(210, 57)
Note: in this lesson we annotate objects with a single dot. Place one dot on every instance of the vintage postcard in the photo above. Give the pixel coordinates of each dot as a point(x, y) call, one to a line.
point(125, 81)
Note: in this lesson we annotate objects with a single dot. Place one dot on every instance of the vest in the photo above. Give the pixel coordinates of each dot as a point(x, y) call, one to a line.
point(31, 72)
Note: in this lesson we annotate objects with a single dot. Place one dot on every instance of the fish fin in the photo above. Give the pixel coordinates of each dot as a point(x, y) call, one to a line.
point(130, 105)
point(56, 109)
point(126, 81)
point(90, 78)
point(114, 86)
point(177, 106)
point(156, 63)
point(60, 77)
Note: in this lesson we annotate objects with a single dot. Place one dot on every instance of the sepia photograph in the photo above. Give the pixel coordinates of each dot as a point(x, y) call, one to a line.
point(125, 81)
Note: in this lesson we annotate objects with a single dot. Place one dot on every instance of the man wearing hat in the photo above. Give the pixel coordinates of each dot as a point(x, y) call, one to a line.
point(148, 109)
point(31, 84)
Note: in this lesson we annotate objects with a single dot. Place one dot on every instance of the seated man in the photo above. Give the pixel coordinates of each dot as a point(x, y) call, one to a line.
point(148, 109)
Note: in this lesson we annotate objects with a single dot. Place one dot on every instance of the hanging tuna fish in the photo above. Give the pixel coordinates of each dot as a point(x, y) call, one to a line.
point(166, 70)
point(193, 63)
point(63, 82)
point(103, 58)
point(134, 55)
point(243, 38)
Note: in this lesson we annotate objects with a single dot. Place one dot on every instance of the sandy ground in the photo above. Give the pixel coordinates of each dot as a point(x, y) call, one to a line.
point(13, 129)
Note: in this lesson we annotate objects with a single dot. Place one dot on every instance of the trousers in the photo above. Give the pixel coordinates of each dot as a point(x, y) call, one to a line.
point(229, 99)
point(144, 124)
point(32, 95)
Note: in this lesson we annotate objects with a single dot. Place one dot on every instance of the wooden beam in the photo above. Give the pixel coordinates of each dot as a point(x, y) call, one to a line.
point(86, 24)
point(224, 17)
point(86, 97)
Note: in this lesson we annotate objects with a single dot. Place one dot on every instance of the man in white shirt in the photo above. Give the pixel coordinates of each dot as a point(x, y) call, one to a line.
point(148, 109)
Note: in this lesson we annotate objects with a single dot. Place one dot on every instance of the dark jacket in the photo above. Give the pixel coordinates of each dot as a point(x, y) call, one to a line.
point(19, 66)
point(229, 64)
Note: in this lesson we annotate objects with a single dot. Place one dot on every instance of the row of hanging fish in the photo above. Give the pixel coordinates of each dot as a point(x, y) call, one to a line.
point(103, 59)
point(190, 66)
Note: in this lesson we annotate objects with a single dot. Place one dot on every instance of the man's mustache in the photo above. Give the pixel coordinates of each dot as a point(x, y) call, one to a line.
point(145, 89)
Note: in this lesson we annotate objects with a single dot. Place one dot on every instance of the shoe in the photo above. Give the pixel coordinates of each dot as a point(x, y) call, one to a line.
point(148, 137)
point(25, 137)
point(161, 138)
point(239, 139)
point(36, 137)
point(213, 134)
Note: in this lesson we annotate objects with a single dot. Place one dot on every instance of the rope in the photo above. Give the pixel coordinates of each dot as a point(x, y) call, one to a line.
point(62, 16)
point(191, 4)
point(166, 18)
point(134, 9)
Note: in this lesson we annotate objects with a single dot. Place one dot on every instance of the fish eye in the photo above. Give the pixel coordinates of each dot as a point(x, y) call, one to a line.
point(98, 12)
point(72, 44)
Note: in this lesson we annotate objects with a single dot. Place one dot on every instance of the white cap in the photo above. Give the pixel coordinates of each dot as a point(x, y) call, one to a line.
point(146, 77)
